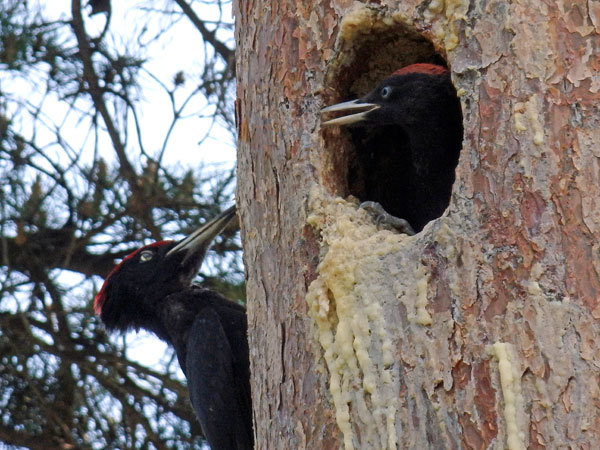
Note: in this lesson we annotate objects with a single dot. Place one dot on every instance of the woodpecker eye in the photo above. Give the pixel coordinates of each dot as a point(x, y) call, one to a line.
point(146, 255)
point(386, 91)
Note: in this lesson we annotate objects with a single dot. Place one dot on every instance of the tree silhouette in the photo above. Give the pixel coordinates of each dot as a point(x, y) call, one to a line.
point(84, 182)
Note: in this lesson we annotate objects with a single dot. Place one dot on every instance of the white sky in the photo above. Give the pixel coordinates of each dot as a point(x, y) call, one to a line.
point(179, 50)
point(165, 58)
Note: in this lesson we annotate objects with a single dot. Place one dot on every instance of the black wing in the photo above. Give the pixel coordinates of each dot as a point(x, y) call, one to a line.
point(218, 374)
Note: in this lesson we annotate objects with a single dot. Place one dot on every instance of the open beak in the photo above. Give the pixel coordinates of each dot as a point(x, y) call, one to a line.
point(351, 106)
point(196, 244)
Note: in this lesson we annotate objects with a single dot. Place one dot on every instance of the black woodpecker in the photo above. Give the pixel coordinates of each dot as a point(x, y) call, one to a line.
point(407, 135)
point(152, 289)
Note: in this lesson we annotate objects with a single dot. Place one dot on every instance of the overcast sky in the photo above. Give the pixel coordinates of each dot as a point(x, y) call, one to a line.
point(179, 50)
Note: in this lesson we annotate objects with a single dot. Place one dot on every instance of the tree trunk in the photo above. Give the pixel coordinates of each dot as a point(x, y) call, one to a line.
point(480, 331)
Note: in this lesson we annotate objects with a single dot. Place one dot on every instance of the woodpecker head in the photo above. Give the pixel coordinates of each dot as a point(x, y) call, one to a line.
point(131, 291)
point(406, 98)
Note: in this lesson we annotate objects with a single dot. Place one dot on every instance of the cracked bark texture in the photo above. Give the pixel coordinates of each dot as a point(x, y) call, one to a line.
point(515, 260)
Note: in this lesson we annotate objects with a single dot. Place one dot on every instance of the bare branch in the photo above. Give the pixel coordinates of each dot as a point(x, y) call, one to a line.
point(209, 36)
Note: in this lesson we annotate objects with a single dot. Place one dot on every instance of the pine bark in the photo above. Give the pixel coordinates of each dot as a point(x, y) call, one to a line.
point(479, 332)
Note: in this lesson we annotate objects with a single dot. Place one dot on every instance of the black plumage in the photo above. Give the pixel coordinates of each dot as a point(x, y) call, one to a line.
point(407, 135)
point(152, 289)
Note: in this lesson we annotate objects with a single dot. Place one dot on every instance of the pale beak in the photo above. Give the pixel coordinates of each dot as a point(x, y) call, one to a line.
point(352, 105)
point(197, 243)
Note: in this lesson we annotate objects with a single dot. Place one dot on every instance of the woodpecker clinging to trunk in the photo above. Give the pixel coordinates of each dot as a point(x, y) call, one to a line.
point(152, 289)
point(408, 134)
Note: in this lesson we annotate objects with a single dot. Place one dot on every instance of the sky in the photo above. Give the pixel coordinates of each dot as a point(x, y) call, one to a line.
point(166, 58)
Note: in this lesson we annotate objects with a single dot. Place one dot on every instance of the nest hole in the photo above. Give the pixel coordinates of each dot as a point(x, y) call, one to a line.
point(375, 162)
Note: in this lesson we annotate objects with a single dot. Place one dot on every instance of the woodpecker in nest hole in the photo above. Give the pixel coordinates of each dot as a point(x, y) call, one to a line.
point(407, 135)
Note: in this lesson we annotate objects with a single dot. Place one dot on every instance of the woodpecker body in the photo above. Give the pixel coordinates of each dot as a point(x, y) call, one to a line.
point(408, 136)
point(151, 289)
